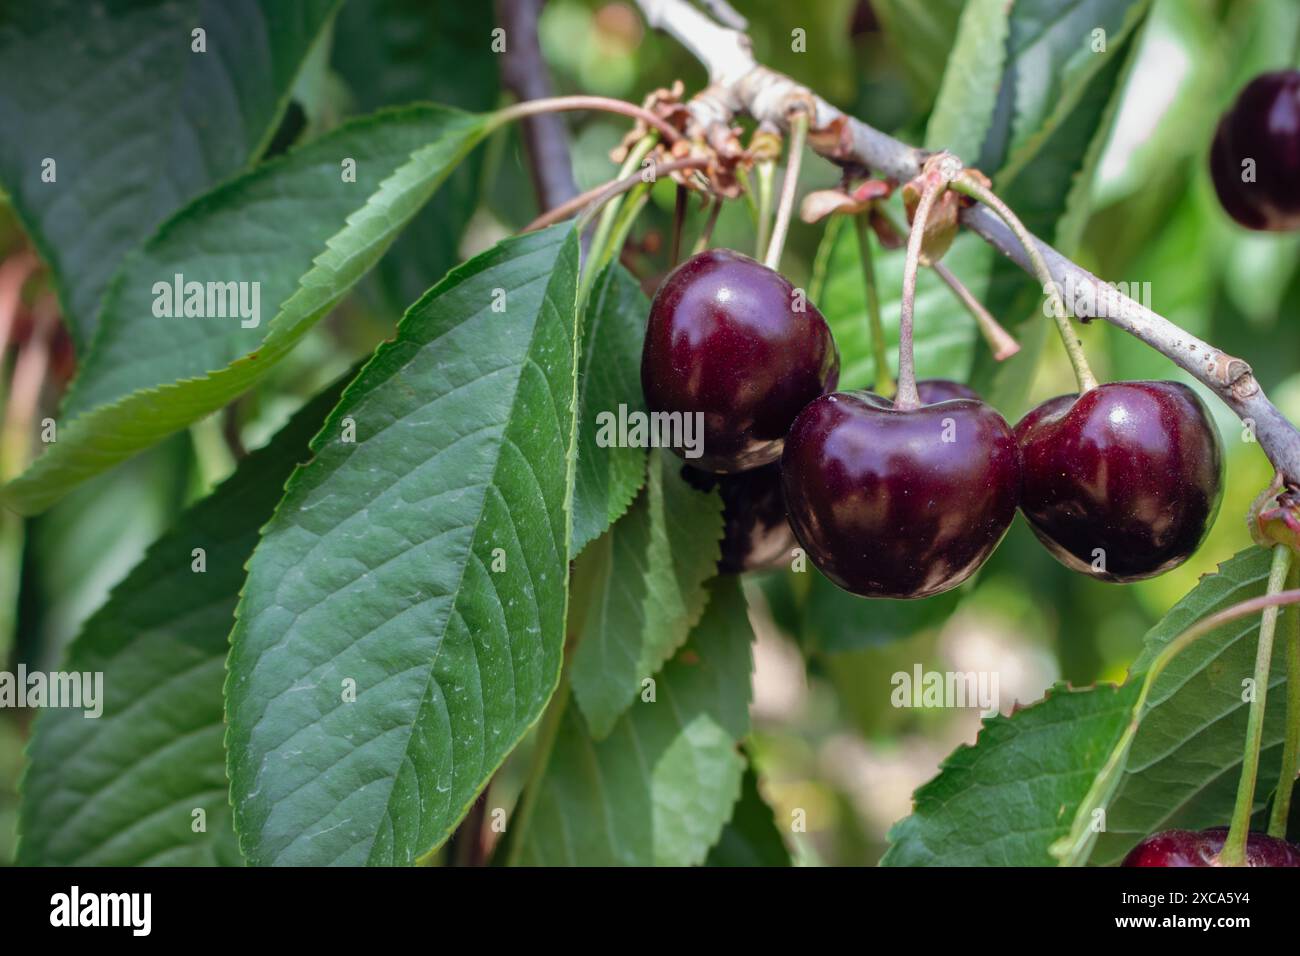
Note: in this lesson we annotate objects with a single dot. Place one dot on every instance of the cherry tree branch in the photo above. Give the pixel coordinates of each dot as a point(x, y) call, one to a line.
point(739, 84)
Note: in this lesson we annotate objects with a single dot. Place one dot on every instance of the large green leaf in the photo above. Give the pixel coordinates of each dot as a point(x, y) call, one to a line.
point(1183, 766)
point(609, 378)
point(644, 590)
point(148, 376)
point(1005, 800)
point(121, 790)
point(660, 787)
point(135, 120)
point(394, 52)
point(424, 566)
point(963, 111)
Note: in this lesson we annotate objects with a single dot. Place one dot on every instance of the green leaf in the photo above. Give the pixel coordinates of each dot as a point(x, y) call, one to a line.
point(1048, 184)
point(121, 790)
point(136, 122)
point(751, 838)
point(658, 790)
point(1005, 800)
point(394, 52)
point(644, 591)
point(148, 377)
point(609, 475)
point(1183, 766)
point(1053, 61)
point(423, 566)
point(922, 32)
point(963, 111)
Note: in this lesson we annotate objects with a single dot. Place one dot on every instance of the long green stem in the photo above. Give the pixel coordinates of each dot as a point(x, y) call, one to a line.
point(1073, 347)
point(601, 250)
point(884, 384)
point(1291, 743)
point(789, 183)
point(766, 178)
point(1234, 847)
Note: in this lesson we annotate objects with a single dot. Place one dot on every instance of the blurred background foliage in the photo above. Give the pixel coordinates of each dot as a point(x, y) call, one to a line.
point(827, 739)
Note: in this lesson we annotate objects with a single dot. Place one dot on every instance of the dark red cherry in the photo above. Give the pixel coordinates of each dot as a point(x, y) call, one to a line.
point(1190, 848)
point(756, 535)
point(935, 390)
point(1255, 157)
point(899, 504)
point(1124, 481)
point(732, 339)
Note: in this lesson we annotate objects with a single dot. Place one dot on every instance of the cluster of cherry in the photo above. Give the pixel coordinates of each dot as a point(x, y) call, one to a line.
point(1120, 482)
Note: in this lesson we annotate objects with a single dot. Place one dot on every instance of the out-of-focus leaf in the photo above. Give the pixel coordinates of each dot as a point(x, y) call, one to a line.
point(136, 122)
point(395, 52)
point(751, 837)
point(123, 789)
point(922, 32)
point(963, 111)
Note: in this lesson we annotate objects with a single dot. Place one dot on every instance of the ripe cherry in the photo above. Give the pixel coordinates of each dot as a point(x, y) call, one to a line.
point(1124, 481)
point(935, 390)
point(756, 535)
point(899, 503)
point(1255, 157)
point(1177, 848)
point(732, 339)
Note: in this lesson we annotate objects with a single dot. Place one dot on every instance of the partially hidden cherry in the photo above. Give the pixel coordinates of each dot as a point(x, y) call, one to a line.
point(1181, 848)
point(1255, 157)
point(899, 503)
point(934, 390)
point(1124, 481)
point(756, 535)
point(733, 340)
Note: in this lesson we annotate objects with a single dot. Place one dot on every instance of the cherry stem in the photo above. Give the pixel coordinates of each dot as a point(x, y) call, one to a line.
point(884, 384)
point(1234, 847)
point(602, 249)
point(566, 104)
point(766, 176)
point(598, 196)
point(1073, 347)
point(1277, 824)
point(999, 340)
point(789, 183)
point(702, 243)
point(907, 397)
point(679, 225)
